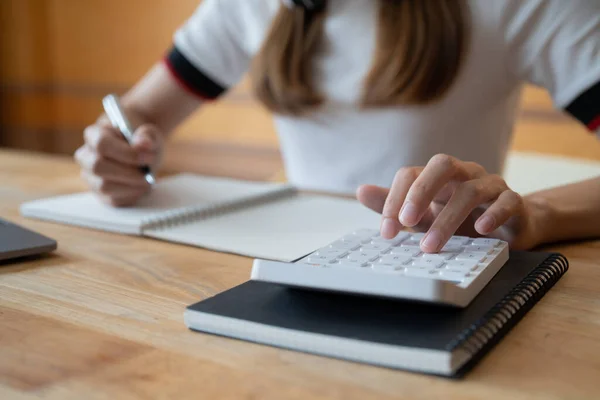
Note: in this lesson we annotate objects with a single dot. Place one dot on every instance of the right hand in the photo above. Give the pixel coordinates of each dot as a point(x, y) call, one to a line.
point(111, 166)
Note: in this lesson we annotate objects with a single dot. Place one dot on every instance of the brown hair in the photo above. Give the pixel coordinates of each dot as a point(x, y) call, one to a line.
point(419, 52)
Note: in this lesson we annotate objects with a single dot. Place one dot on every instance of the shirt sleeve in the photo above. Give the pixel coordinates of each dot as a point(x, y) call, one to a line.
point(208, 55)
point(555, 44)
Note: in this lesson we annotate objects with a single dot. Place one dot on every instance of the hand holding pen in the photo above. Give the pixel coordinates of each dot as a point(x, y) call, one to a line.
point(116, 159)
point(118, 119)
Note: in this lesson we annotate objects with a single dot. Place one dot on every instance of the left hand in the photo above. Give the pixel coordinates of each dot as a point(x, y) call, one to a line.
point(452, 197)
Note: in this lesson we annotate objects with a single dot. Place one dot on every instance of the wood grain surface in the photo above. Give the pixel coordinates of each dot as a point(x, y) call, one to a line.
point(102, 318)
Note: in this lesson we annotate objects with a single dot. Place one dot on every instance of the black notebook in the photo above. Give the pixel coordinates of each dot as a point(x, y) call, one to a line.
point(421, 337)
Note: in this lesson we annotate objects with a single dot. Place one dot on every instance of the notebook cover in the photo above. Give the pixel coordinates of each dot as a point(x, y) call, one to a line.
point(397, 322)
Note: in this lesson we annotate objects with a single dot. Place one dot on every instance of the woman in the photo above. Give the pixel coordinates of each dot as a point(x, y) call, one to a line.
point(418, 96)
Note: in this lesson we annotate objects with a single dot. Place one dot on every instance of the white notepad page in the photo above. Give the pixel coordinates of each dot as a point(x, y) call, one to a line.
point(282, 230)
point(184, 190)
point(530, 172)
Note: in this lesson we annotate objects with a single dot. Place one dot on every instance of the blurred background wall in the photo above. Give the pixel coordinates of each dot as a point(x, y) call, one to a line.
point(58, 58)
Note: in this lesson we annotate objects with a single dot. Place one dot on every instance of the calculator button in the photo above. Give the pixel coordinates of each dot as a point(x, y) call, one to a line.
point(410, 243)
point(483, 249)
point(463, 265)
point(395, 259)
point(442, 255)
point(369, 253)
point(330, 252)
point(344, 245)
point(407, 251)
point(363, 255)
point(473, 256)
point(458, 240)
point(421, 273)
point(401, 236)
point(452, 248)
point(387, 267)
point(320, 259)
point(453, 275)
point(386, 242)
point(379, 247)
point(350, 238)
point(356, 239)
point(427, 263)
point(360, 259)
point(346, 263)
point(486, 242)
point(417, 236)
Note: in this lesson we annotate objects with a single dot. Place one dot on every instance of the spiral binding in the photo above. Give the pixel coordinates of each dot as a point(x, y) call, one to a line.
point(188, 214)
point(528, 292)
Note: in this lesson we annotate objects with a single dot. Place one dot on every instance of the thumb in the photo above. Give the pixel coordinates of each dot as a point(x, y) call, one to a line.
point(147, 138)
point(372, 197)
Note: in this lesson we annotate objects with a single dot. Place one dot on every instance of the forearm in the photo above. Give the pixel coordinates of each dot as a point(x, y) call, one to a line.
point(567, 212)
point(159, 100)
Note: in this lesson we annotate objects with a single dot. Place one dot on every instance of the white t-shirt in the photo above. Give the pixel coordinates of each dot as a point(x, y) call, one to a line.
point(551, 43)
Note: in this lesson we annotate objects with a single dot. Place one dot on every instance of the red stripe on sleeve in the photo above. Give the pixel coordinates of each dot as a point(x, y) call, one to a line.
point(183, 83)
point(595, 124)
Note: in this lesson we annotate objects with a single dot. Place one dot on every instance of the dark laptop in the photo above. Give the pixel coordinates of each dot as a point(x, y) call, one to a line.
point(16, 242)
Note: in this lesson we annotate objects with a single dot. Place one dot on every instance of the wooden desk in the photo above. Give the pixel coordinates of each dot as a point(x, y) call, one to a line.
point(102, 318)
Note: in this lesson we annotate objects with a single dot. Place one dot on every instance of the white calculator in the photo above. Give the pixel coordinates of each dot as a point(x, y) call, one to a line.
point(364, 263)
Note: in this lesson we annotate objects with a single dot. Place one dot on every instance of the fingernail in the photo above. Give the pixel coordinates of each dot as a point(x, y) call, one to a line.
point(432, 241)
point(485, 224)
point(138, 140)
point(389, 228)
point(143, 142)
point(409, 215)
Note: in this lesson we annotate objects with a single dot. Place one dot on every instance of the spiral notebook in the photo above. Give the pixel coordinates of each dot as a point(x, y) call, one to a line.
point(256, 219)
point(420, 337)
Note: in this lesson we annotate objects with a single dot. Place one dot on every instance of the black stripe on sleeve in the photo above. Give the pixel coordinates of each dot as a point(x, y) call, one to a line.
point(586, 107)
point(191, 77)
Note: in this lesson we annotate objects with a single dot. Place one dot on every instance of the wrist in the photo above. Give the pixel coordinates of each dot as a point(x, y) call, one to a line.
point(543, 220)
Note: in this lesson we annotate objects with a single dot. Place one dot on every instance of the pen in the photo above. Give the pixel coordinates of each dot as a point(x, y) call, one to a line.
point(118, 119)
